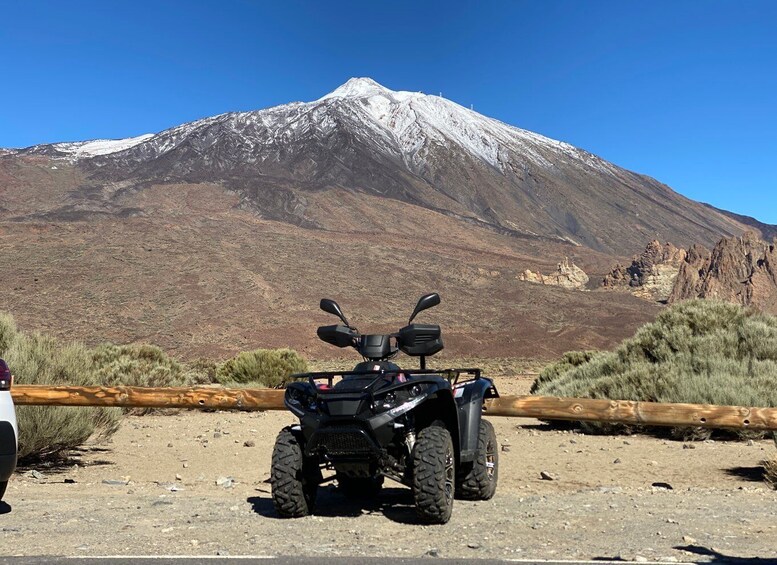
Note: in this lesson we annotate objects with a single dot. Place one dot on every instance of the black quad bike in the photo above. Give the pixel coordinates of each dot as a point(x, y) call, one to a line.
point(422, 428)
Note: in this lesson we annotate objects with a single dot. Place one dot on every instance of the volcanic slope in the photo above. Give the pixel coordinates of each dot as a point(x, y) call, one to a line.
point(223, 234)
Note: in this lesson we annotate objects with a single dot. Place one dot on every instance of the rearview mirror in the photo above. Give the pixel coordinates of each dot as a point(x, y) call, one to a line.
point(426, 301)
point(332, 307)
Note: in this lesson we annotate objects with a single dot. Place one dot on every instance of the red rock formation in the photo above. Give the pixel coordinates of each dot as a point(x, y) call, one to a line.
point(742, 270)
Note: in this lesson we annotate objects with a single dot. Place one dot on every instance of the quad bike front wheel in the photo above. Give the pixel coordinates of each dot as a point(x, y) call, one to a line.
point(477, 480)
point(293, 480)
point(434, 475)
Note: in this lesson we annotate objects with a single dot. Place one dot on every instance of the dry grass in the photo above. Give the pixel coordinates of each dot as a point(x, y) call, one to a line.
point(699, 351)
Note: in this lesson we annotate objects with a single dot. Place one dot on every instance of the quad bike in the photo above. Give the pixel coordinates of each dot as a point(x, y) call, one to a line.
point(422, 428)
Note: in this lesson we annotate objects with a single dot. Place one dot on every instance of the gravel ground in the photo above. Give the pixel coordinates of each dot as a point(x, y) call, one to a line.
point(195, 483)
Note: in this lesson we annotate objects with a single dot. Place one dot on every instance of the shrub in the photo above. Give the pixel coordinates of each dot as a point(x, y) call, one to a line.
point(698, 351)
point(138, 365)
point(263, 367)
point(770, 467)
point(39, 359)
point(200, 372)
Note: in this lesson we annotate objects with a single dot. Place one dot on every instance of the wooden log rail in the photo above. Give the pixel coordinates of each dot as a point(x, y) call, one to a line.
point(542, 407)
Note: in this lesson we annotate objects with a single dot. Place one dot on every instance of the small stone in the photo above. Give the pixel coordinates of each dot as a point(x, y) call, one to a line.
point(69, 481)
point(505, 447)
point(115, 482)
point(434, 552)
point(750, 443)
point(225, 482)
point(618, 460)
point(689, 540)
point(661, 486)
point(545, 476)
point(36, 474)
point(640, 559)
point(689, 446)
point(473, 545)
point(170, 445)
point(185, 465)
point(669, 559)
point(216, 435)
point(653, 463)
point(249, 443)
point(222, 552)
point(178, 477)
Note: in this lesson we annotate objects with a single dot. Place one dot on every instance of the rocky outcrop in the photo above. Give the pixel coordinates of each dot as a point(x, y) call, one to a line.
point(567, 275)
point(652, 274)
point(742, 270)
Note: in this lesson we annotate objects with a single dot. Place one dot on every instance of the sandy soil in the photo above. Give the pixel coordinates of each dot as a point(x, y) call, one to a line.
point(153, 489)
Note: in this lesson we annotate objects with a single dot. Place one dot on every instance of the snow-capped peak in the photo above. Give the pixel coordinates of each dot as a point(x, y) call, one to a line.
point(358, 87)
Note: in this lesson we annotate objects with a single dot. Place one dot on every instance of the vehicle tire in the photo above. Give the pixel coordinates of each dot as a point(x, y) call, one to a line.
point(293, 480)
point(3, 486)
point(477, 480)
point(434, 475)
point(360, 487)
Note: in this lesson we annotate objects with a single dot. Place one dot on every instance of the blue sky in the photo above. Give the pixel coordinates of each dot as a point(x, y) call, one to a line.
point(683, 91)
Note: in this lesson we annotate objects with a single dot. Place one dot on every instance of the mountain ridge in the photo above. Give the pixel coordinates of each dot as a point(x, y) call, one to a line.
point(421, 149)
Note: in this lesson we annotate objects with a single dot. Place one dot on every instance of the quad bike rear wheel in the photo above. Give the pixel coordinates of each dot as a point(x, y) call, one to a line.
point(434, 475)
point(294, 480)
point(477, 480)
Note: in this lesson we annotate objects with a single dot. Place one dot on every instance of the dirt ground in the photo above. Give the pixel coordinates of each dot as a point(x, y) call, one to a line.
point(153, 489)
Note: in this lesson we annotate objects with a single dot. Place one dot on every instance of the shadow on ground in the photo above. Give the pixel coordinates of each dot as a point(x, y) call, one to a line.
point(717, 557)
point(396, 504)
point(64, 461)
point(754, 474)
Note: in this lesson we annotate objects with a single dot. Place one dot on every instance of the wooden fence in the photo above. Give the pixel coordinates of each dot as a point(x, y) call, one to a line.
point(541, 407)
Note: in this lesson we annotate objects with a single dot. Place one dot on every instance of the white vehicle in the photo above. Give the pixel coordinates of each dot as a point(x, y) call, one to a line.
point(9, 433)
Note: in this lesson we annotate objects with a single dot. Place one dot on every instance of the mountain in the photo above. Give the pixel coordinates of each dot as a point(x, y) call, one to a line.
point(223, 234)
point(414, 148)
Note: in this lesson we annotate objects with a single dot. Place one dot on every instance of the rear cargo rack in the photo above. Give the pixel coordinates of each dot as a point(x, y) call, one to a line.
point(454, 376)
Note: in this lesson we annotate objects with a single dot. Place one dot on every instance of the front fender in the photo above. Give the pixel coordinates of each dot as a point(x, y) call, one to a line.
point(469, 398)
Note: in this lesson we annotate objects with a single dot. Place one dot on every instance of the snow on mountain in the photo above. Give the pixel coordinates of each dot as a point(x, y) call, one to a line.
point(403, 122)
point(94, 147)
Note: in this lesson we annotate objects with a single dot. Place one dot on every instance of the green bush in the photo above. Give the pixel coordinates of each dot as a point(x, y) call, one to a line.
point(698, 351)
point(39, 359)
point(269, 368)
